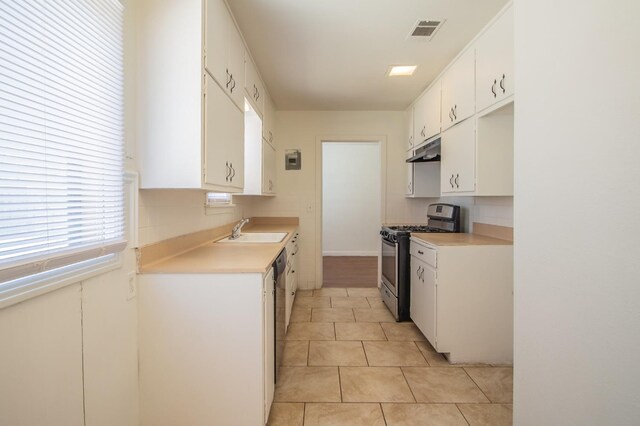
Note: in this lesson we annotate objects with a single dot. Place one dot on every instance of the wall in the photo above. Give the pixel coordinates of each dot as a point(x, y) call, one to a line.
point(350, 194)
point(577, 198)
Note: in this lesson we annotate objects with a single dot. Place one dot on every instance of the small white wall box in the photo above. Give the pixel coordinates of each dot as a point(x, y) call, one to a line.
point(292, 159)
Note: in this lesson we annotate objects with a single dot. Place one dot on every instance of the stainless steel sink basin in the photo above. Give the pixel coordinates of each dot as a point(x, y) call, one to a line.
point(256, 237)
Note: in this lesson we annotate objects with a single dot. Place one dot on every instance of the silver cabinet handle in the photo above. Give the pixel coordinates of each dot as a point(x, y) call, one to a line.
point(228, 171)
point(233, 171)
point(502, 84)
point(234, 83)
point(228, 78)
point(451, 114)
point(451, 181)
point(493, 88)
point(258, 92)
point(456, 180)
point(455, 112)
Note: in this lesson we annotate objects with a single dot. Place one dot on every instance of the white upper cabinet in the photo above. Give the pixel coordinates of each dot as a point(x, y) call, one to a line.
point(224, 140)
point(458, 90)
point(224, 50)
point(427, 115)
point(494, 62)
point(190, 92)
point(268, 169)
point(268, 122)
point(253, 85)
point(458, 165)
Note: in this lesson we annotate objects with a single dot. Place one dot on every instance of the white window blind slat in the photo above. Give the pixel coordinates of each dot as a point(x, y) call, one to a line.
point(61, 134)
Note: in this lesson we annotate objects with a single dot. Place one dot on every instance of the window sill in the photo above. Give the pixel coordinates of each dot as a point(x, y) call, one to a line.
point(221, 209)
point(26, 288)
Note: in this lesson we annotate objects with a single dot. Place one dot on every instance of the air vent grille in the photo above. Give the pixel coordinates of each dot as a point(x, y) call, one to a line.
point(425, 29)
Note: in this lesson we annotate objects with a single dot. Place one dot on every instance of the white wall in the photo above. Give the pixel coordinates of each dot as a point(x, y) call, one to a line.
point(351, 198)
point(577, 204)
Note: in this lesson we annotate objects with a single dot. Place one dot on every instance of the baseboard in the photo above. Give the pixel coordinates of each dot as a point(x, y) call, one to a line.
point(350, 253)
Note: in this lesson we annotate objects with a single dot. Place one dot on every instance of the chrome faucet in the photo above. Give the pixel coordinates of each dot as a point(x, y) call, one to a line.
point(235, 232)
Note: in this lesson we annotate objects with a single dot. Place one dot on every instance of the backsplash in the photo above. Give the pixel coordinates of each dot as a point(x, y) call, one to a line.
point(165, 214)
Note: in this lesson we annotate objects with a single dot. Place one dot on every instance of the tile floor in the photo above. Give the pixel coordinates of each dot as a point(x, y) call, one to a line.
point(346, 362)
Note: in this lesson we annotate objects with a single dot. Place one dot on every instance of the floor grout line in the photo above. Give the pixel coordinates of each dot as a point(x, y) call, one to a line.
point(415, 400)
point(463, 416)
point(477, 385)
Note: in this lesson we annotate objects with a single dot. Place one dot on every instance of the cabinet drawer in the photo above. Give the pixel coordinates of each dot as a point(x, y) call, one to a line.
point(425, 254)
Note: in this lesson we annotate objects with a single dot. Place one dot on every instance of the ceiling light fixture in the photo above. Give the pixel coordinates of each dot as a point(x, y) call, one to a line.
point(400, 70)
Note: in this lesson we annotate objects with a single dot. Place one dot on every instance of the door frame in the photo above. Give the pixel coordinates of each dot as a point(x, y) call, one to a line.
point(381, 140)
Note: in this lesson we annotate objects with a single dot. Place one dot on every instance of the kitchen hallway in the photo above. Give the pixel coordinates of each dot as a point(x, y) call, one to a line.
point(347, 362)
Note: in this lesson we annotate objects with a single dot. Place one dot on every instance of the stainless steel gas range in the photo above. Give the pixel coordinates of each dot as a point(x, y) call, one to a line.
point(395, 284)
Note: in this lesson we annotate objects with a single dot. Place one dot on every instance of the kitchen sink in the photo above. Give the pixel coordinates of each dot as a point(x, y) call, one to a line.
point(256, 237)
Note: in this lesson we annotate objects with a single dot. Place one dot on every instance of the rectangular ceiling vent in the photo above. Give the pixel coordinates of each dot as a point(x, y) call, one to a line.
point(425, 30)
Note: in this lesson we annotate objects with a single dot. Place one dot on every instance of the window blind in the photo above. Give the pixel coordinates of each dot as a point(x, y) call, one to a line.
point(61, 133)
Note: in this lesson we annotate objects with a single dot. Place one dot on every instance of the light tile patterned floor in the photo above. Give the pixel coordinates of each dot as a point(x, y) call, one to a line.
point(347, 362)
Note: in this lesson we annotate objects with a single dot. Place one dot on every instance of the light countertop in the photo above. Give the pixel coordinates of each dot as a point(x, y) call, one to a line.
point(459, 239)
point(214, 257)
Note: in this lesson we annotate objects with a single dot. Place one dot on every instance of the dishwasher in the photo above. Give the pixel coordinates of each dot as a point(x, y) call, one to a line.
point(279, 275)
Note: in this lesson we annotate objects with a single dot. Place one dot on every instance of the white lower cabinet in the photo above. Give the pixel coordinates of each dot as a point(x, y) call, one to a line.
point(269, 341)
point(292, 275)
point(205, 348)
point(462, 300)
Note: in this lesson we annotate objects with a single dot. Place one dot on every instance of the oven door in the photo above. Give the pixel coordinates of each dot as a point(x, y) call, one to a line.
point(390, 265)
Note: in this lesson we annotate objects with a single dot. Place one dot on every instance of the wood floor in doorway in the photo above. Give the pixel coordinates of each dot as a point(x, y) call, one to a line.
point(350, 271)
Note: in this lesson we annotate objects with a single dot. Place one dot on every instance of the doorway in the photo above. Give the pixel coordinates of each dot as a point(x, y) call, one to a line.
point(351, 213)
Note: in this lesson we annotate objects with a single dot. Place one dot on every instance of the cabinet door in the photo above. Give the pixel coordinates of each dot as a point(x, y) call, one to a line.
point(217, 107)
point(268, 168)
point(216, 40)
point(409, 113)
point(268, 120)
point(432, 105)
point(420, 120)
point(253, 85)
point(269, 342)
point(409, 173)
point(458, 90)
point(429, 328)
point(235, 148)
point(236, 64)
point(494, 62)
point(223, 139)
point(458, 165)
point(418, 293)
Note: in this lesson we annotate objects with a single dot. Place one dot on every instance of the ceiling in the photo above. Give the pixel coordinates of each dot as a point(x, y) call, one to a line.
point(333, 54)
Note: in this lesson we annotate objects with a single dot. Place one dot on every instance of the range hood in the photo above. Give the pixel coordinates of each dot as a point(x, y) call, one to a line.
point(427, 153)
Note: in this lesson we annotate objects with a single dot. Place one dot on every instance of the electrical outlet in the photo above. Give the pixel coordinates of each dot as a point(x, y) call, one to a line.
point(132, 286)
